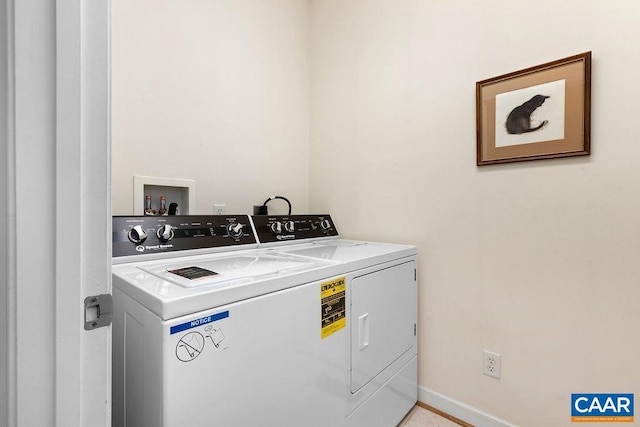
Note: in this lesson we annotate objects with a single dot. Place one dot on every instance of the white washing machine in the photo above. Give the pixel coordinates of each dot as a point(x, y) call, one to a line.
point(381, 310)
point(209, 330)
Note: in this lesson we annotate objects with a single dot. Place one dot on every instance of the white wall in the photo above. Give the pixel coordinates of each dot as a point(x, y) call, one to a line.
point(214, 91)
point(537, 261)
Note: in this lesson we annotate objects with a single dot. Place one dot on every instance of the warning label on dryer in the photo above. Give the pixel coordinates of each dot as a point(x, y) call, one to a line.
point(332, 296)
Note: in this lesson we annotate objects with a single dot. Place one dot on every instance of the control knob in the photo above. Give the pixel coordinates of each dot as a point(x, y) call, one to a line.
point(325, 224)
point(137, 235)
point(234, 229)
point(289, 226)
point(165, 233)
point(276, 227)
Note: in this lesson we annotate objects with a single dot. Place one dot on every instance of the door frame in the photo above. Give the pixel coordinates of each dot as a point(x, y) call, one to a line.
point(7, 380)
point(55, 227)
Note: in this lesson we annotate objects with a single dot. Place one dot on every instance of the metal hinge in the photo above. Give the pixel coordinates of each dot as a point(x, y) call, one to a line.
point(98, 311)
point(415, 274)
point(415, 327)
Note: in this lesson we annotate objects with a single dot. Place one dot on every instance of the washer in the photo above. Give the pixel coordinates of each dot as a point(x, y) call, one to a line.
point(381, 309)
point(212, 328)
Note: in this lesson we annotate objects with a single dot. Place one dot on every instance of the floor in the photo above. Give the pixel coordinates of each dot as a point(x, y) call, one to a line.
point(421, 417)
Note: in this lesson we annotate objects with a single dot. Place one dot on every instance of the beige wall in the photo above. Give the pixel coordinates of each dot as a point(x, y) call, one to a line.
point(214, 91)
point(538, 261)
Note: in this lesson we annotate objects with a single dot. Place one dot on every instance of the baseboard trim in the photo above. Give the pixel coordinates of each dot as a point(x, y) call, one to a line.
point(457, 411)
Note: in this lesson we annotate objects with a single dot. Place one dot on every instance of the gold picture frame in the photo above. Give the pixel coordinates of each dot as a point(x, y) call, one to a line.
point(541, 112)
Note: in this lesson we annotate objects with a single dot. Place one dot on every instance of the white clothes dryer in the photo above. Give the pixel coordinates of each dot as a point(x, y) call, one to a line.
point(381, 308)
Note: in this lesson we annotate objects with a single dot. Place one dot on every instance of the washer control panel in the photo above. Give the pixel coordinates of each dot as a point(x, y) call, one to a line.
point(282, 228)
point(137, 235)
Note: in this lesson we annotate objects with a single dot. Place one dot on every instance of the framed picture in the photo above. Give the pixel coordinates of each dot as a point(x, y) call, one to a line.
point(538, 113)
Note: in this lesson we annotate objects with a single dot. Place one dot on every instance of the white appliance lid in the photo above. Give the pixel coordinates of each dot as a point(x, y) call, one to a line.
point(357, 254)
point(239, 269)
point(180, 286)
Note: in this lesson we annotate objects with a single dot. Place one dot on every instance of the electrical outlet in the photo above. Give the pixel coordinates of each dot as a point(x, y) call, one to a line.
point(491, 364)
point(219, 208)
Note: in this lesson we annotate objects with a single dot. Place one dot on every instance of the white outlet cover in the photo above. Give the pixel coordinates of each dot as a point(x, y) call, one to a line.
point(491, 364)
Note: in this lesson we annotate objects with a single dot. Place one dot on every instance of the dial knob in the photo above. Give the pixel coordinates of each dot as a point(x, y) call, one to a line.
point(325, 224)
point(289, 226)
point(276, 227)
point(137, 235)
point(234, 229)
point(165, 233)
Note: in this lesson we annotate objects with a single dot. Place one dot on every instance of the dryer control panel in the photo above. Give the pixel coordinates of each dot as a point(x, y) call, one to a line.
point(283, 228)
point(137, 235)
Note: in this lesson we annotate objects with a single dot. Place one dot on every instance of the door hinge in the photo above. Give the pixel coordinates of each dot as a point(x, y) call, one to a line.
point(415, 327)
point(98, 311)
point(415, 274)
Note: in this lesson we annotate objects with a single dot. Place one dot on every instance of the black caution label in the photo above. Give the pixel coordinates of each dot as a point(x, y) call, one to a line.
point(193, 273)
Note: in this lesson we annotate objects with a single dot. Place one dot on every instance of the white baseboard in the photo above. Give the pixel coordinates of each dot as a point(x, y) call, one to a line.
point(459, 410)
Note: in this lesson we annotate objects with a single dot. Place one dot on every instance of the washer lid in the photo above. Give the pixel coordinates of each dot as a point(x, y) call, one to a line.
point(240, 269)
point(185, 285)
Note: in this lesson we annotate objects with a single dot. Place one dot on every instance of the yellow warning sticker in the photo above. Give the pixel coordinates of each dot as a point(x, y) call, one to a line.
point(333, 301)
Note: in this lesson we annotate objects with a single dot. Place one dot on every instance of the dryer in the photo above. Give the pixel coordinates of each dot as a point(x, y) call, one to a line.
point(381, 308)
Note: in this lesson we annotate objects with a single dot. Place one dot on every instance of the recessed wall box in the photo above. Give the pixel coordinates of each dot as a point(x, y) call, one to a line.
point(180, 191)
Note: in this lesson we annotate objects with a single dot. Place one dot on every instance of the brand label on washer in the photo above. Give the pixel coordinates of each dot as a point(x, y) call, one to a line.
point(332, 297)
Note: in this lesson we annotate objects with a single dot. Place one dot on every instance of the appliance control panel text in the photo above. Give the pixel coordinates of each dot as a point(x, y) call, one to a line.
point(280, 228)
point(136, 235)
